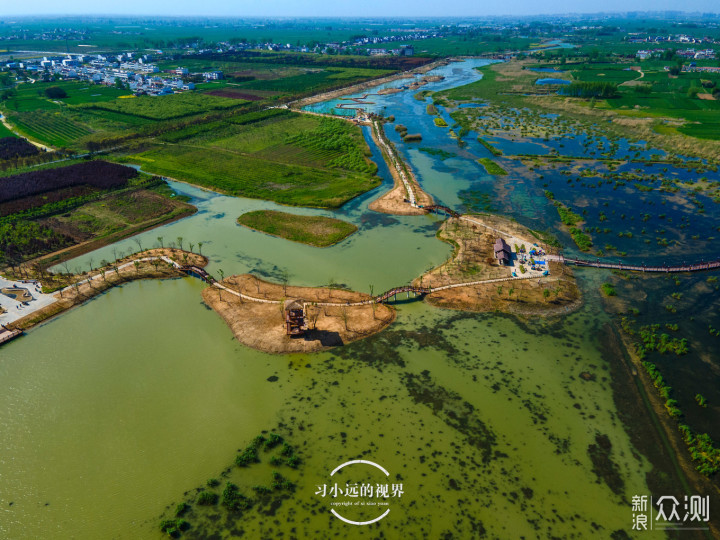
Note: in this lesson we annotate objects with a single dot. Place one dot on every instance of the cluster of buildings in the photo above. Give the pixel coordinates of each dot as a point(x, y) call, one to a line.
point(56, 34)
point(405, 50)
point(137, 72)
point(678, 38)
point(704, 54)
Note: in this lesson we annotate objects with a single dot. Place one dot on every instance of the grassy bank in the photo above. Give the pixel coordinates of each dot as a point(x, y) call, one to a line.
point(315, 231)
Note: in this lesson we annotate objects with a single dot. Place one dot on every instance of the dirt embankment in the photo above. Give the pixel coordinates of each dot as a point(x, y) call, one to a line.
point(473, 260)
point(395, 201)
point(78, 288)
point(262, 325)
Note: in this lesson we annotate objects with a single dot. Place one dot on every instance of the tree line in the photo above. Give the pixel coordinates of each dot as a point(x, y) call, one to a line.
point(15, 147)
point(100, 174)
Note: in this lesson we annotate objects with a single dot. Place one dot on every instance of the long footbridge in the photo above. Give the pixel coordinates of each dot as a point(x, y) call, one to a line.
point(695, 267)
point(419, 291)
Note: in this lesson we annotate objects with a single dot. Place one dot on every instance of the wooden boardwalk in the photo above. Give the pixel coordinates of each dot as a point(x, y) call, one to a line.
point(695, 267)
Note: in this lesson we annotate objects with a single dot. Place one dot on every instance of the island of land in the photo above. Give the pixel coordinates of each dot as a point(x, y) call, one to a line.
point(255, 312)
point(472, 279)
point(318, 231)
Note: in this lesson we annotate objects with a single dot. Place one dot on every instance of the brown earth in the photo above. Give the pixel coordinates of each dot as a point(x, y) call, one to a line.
point(262, 325)
point(474, 260)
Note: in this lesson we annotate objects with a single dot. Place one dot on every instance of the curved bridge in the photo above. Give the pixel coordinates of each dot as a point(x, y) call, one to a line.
point(197, 272)
point(438, 208)
point(397, 290)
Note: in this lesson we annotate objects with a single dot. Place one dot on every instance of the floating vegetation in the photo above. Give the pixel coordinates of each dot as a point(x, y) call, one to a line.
point(608, 289)
point(494, 151)
point(437, 152)
point(492, 167)
point(193, 512)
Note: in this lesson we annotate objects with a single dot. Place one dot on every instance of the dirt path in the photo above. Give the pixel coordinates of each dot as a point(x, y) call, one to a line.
point(406, 197)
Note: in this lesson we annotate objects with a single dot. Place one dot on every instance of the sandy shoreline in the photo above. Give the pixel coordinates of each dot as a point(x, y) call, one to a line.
point(261, 325)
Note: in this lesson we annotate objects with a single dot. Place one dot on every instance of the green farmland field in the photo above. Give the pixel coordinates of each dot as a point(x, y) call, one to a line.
point(289, 158)
point(5, 132)
point(32, 97)
point(167, 107)
point(51, 127)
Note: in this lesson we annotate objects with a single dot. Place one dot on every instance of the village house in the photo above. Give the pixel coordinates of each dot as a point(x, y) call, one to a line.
point(503, 253)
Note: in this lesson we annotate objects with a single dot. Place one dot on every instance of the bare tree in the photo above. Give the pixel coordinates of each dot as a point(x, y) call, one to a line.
point(160, 240)
point(285, 277)
point(344, 315)
point(200, 245)
point(180, 241)
point(138, 241)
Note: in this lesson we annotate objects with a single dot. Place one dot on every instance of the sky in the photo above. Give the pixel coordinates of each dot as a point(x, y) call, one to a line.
point(340, 8)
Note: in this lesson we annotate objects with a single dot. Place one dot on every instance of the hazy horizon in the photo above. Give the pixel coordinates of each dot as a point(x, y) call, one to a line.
point(371, 8)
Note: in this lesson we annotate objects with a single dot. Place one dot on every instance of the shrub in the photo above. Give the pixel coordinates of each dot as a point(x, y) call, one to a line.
point(608, 289)
point(232, 499)
point(207, 498)
point(55, 92)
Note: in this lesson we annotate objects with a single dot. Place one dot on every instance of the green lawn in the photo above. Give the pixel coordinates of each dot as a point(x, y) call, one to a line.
point(315, 231)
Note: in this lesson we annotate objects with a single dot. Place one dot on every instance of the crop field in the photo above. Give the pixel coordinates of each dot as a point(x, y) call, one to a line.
point(286, 157)
point(461, 45)
point(233, 69)
point(314, 81)
point(15, 147)
point(167, 107)
point(31, 97)
point(605, 72)
point(49, 127)
point(665, 96)
point(99, 174)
